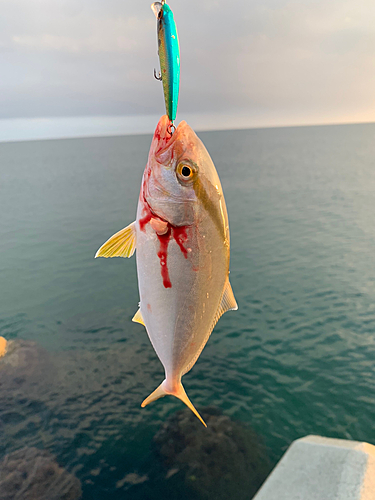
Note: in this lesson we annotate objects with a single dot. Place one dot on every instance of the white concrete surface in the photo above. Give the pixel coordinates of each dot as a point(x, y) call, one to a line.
point(319, 468)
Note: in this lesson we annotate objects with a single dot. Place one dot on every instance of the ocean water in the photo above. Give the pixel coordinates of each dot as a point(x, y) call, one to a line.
point(297, 358)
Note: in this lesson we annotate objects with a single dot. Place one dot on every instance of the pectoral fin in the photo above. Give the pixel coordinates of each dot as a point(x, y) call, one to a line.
point(121, 244)
point(138, 318)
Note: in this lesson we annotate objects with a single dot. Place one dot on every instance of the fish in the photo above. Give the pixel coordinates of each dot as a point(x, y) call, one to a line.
point(169, 56)
point(181, 238)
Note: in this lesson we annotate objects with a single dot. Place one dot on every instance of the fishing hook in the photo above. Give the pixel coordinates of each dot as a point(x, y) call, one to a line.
point(156, 76)
point(169, 129)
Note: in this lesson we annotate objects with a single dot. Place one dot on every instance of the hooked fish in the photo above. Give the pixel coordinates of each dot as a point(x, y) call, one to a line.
point(169, 56)
point(181, 234)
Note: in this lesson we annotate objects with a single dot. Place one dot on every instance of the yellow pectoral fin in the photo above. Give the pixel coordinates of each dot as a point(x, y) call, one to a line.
point(121, 244)
point(138, 318)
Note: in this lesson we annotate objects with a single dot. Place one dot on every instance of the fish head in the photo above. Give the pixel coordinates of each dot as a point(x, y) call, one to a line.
point(181, 184)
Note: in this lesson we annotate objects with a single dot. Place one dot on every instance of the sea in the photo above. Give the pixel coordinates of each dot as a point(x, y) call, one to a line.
point(297, 358)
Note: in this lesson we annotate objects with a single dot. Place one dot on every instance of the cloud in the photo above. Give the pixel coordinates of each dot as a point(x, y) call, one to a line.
point(102, 36)
point(275, 60)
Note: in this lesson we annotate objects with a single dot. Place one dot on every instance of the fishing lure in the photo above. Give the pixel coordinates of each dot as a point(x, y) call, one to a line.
point(169, 57)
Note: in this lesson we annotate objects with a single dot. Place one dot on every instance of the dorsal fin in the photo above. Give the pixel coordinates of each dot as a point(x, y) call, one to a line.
point(121, 244)
point(227, 303)
point(138, 318)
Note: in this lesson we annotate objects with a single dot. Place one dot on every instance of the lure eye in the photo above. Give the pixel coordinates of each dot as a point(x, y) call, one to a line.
point(186, 172)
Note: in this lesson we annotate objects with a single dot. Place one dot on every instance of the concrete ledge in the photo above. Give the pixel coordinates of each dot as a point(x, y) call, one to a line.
point(318, 468)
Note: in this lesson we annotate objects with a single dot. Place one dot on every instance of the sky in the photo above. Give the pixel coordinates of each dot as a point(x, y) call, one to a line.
point(85, 67)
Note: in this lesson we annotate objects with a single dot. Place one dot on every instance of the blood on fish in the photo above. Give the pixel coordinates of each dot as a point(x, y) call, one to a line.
point(146, 218)
point(164, 241)
point(157, 133)
point(162, 254)
point(161, 141)
point(179, 234)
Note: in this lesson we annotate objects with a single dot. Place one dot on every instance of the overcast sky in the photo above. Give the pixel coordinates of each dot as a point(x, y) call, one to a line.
point(81, 67)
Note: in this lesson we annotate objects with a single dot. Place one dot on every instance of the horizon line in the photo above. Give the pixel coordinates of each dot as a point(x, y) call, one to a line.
point(197, 128)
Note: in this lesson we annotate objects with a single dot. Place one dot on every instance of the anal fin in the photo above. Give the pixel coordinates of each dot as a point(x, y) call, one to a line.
point(121, 244)
point(138, 318)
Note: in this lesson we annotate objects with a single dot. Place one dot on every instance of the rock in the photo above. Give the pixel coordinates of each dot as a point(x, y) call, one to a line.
point(27, 377)
point(25, 364)
point(224, 460)
point(33, 474)
point(131, 479)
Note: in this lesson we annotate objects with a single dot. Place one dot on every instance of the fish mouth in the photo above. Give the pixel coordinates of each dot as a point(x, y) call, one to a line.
point(164, 137)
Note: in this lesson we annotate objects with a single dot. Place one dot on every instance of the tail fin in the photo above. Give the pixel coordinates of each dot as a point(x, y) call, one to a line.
point(179, 393)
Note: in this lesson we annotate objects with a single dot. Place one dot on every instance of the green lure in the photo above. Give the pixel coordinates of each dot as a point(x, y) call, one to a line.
point(169, 56)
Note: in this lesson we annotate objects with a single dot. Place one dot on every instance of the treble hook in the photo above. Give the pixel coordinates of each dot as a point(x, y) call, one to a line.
point(156, 76)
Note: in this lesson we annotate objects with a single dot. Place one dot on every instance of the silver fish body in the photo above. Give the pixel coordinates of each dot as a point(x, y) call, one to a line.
point(182, 240)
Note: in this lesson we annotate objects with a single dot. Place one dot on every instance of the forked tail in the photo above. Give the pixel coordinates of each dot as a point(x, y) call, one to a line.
point(179, 393)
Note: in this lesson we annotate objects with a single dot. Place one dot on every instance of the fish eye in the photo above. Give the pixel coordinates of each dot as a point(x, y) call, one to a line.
point(186, 172)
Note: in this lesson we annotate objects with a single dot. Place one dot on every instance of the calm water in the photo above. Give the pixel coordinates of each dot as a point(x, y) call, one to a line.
point(298, 357)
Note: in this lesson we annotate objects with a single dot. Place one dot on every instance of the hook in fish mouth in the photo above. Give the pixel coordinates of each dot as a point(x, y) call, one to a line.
point(171, 129)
